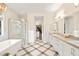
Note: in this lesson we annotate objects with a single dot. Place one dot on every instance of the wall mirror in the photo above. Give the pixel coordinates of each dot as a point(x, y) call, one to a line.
point(71, 24)
point(68, 25)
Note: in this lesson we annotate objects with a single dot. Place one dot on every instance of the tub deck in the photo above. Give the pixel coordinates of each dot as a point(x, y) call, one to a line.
point(10, 46)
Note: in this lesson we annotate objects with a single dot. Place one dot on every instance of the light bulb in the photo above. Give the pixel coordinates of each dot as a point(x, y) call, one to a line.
point(76, 4)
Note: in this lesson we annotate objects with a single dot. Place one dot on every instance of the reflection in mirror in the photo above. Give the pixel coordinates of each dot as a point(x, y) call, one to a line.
point(71, 26)
point(54, 27)
point(68, 25)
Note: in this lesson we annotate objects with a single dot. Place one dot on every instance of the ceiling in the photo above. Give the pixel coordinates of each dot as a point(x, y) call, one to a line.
point(33, 7)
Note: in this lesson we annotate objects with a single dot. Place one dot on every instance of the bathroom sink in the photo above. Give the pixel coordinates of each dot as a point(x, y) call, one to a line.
point(74, 38)
point(67, 35)
point(75, 42)
point(71, 37)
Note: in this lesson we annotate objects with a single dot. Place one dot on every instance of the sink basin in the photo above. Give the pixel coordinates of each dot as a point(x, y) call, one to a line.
point(67, 36)
point(75, 42)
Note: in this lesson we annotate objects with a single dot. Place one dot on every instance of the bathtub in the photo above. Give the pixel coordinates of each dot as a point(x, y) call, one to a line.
point(10, 46)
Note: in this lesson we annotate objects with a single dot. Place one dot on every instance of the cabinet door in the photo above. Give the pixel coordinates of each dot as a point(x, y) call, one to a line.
point(55, 43)
point(52, 40)
point(66, 49)
point(59, 46)
point(74, 51)
point(70, 50)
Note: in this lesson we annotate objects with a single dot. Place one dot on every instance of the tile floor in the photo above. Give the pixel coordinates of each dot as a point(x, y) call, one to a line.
point(39, 48)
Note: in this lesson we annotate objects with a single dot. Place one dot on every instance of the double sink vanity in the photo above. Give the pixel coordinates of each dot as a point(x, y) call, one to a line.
point(65, 45)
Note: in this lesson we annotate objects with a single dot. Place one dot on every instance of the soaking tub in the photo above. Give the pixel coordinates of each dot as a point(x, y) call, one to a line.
point(10, 46)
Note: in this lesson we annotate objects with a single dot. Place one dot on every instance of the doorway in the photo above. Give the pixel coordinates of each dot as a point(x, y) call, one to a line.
point(39, 32)
point(39, 27)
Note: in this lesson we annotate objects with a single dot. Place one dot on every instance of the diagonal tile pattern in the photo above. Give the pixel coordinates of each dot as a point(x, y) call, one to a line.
point(39, 48)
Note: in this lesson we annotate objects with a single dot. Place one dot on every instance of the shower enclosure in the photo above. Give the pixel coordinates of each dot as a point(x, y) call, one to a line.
point(17, 29)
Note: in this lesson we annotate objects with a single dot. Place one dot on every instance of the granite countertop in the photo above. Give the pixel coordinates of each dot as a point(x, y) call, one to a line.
point(74, 41)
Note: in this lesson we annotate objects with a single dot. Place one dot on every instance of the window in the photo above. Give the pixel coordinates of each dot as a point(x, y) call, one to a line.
point(0, 25)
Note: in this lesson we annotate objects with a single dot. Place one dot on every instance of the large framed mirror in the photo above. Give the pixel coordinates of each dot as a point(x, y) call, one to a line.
point(71, 24)
point(68, 25)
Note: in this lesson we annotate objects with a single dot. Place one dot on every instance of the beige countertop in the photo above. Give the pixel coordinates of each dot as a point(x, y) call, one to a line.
point(71, 40)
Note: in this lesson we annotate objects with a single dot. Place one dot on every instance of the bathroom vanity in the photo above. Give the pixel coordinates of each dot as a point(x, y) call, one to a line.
point(64, 46)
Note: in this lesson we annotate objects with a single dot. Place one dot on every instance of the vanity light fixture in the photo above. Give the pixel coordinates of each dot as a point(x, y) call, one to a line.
point(3, 7)
point(76, 3)
point(60, 15)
